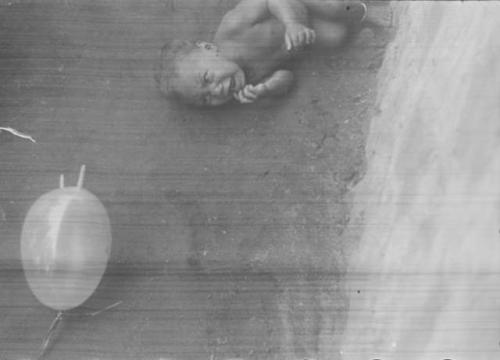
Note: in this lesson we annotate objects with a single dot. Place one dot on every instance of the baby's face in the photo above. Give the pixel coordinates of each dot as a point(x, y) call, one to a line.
point(208, 79)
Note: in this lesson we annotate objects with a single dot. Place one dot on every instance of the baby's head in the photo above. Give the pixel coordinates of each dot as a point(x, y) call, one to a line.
point(198, 74)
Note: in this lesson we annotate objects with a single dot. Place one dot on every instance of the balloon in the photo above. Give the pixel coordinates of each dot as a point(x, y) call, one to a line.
point(65, 245)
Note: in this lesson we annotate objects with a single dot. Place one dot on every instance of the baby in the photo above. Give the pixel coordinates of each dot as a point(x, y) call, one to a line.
point(244, 62)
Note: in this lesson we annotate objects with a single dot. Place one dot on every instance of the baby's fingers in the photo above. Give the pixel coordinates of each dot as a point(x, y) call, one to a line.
point(288, 42)
point(310, 36)
point(306, 37)
point(242, 97)
point(299, 39)
point(250, 92)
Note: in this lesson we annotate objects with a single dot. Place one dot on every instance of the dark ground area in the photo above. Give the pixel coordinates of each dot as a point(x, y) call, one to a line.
point(228, 224)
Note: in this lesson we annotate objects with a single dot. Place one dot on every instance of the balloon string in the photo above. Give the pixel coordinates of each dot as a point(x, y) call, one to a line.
point(81, 176)
point(49, 334)
point(97, 312)
point(57, 320)
point(105, 309)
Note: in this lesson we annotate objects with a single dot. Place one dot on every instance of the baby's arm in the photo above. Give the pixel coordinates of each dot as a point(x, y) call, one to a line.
point(279, 83)
point(292, 13)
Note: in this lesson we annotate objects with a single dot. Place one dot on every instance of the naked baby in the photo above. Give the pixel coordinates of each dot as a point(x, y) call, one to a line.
point(245, 61)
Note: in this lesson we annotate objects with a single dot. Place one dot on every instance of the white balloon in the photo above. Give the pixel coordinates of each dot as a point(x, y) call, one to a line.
point(65, 246)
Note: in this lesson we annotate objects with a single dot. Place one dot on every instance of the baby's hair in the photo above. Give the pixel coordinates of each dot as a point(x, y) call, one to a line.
point(166, 74)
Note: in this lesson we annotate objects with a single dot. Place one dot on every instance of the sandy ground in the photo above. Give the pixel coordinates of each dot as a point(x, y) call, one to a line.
point(228, 225)
point(424, 281)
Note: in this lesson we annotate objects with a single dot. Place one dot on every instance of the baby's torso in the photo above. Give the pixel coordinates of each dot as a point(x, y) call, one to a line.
point(259, 50)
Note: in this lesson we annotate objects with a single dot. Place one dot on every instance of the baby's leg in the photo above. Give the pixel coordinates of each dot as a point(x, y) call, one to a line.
point(329, 34)
point(350, 11)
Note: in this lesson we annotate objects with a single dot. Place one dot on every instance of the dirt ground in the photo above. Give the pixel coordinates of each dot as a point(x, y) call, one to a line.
point(229, 225)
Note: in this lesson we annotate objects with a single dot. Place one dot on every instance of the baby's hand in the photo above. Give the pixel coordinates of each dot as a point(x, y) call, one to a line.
point(298, 35)
point(250, 93)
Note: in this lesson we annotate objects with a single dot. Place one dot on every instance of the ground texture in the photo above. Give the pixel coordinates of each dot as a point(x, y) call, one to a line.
point(229, 225)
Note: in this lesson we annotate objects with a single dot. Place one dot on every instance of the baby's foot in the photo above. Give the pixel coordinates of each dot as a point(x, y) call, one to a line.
point(365, 11)
point(350, 11)
point(369, 20)
point(356, 10)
